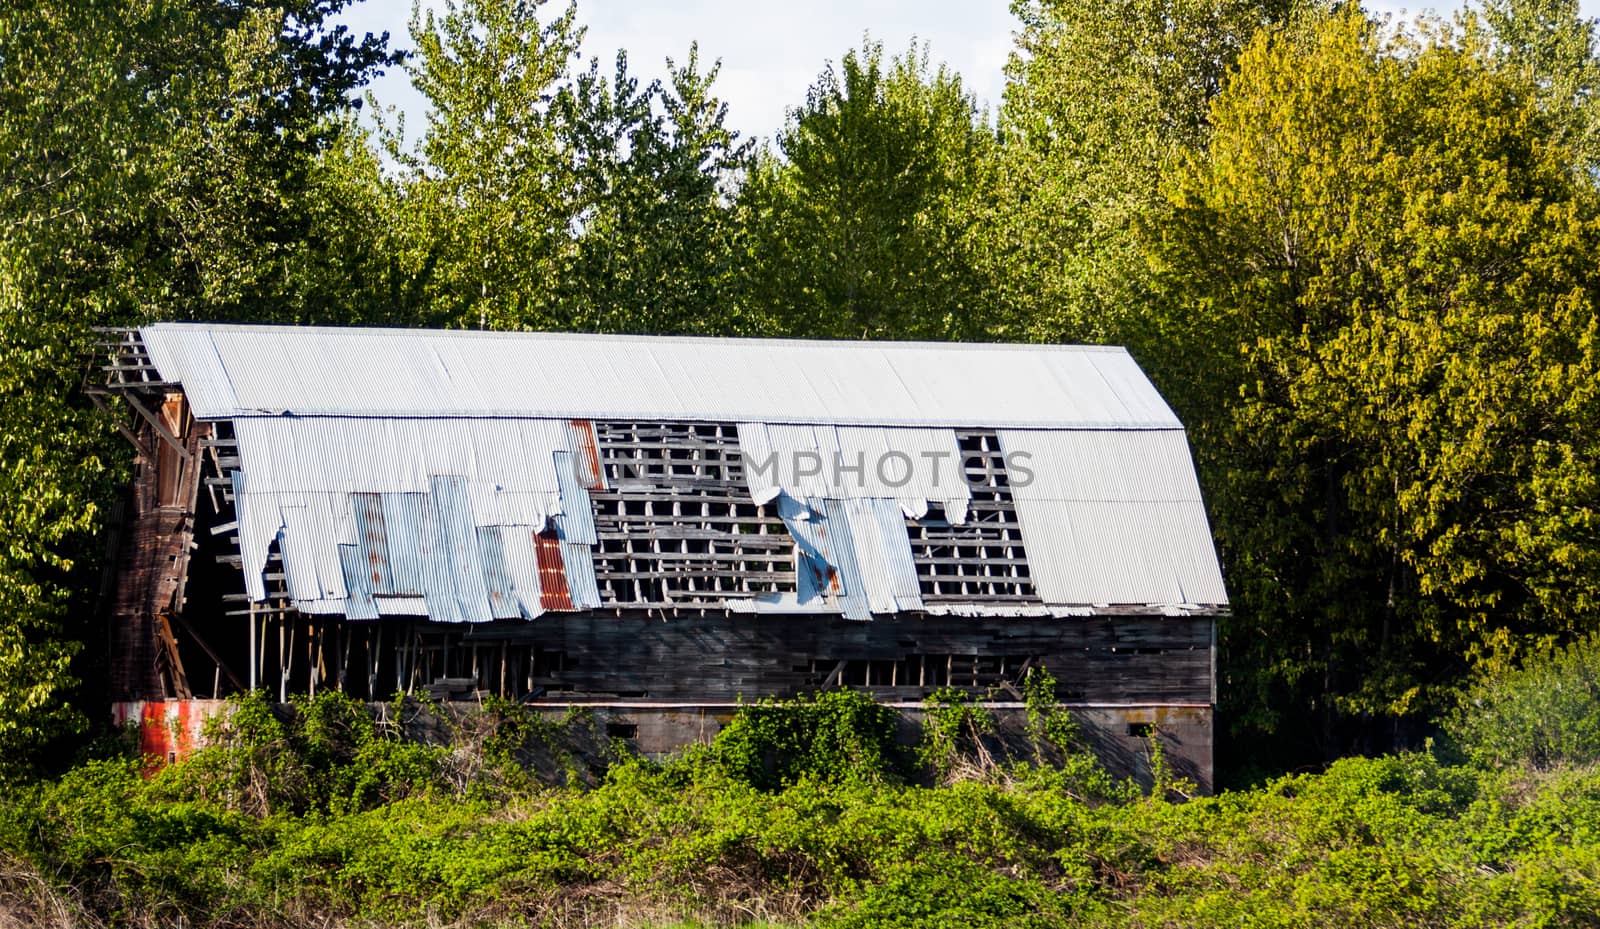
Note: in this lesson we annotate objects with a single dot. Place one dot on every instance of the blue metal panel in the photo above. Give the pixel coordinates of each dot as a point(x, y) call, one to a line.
point(894, 544)
point(437, 589)
point(576, 522)
point(815, 576)
point(522, 566)
point(502, 594)
point(260, 525)
point(828, 571)
point(372, 542)
point(578, 560)
point(883, 554)
point(402, 519)
point(459, 540)
point(835, 530)
point(358, 602)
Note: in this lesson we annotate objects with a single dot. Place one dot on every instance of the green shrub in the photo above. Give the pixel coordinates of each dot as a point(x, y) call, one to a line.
point(798, 816)
point(325, 753)
point(834, 735)
point(1545, 713)
point(955, 731)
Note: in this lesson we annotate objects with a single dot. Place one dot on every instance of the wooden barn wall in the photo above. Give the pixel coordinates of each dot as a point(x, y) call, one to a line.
point(709, 656)
point(153, 559)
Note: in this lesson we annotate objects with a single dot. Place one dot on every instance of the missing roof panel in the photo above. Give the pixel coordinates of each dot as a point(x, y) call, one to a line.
point(982, 560)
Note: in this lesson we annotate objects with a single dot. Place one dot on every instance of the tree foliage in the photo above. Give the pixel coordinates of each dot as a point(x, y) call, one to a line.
point(858, 220)
point(1550, 44)
point(489, 195)
point(1101, 100)
point(1384, 335)
point(545, 196)
point(155, 161)
point(657, 243)
point(1355, 256)
point(1543, 714)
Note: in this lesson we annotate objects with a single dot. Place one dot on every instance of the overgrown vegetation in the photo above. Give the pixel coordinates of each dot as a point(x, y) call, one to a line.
point(1356, 256)
point(1544, 714)
point(329, 816)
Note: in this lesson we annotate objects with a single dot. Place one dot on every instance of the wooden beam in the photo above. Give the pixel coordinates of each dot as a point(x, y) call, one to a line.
point(160, 427)
point(174, 662)
point(98, 399)
point(210, 652)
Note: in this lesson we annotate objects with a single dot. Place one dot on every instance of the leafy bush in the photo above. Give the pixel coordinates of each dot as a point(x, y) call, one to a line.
point(955, 728)
point(1545, 713)
point(827, 834)
point(324, 753)
point(832, 735)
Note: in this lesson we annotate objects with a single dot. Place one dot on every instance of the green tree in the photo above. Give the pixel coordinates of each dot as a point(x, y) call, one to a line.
point(354, 265)
point(543, 196)
point(859, 228)
point(1552, 45)
point(1380, 302)
point(656, 249)
point(490, 193)
point(154, 162)
point(1101, 99)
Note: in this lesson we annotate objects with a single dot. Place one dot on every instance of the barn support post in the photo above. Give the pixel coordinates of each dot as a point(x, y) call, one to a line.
point(283, 670)
point(251, 619)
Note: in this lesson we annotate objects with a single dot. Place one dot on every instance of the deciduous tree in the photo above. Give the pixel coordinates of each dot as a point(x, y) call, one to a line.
point(154, 162)
point(1381, 312)
point(859, 221)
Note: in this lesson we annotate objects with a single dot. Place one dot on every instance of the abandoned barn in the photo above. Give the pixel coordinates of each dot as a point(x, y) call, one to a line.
point(660, 528)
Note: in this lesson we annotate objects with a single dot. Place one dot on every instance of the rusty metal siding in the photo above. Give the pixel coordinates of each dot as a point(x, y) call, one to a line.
point(411, 497)
point(577, 563)
point(553, 592)
point(585, 446)
point(372, 542)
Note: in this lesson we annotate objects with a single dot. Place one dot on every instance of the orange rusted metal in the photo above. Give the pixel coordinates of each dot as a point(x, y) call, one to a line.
point(168, 730)
point(553, 591)
point(586, 454)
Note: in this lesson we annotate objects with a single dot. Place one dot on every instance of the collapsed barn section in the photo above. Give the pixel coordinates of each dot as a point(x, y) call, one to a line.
point(660, 528)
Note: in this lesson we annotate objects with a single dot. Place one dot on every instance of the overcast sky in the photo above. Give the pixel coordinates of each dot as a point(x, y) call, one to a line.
point(771, 51)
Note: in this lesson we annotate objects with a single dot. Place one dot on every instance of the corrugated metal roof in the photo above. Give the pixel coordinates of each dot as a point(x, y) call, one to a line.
point(1113, 517)
point(883, 554)
point(829, 573)
point(231, 371)
point(448, 474)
